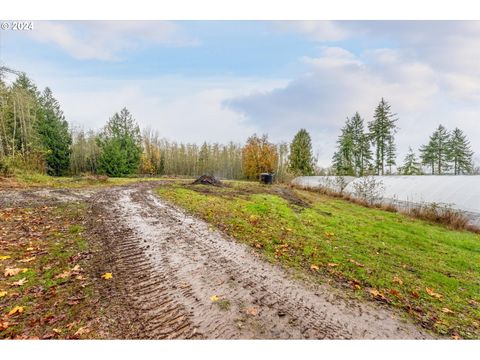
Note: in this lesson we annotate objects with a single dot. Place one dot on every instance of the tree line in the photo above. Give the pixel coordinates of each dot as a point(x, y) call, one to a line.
point(35, 135)
point(371, 150)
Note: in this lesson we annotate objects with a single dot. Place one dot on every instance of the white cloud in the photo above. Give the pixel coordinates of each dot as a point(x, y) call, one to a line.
point(316, 30)
point(107, 40)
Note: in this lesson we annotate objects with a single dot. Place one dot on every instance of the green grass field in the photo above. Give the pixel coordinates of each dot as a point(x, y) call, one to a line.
point(430, 272)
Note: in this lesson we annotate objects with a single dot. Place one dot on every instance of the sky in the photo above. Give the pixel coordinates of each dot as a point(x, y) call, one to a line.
point(222, 81)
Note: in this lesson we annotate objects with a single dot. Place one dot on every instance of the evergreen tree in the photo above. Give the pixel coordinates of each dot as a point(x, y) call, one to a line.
point(391, 154)
point(362, 155)
point(54, 134)
point(427, 156)
point(353, 156)
point(301, 159)
point(460, 153)
point(121, 145)
point(343, 159)
point(436, 153)
point(382, 130)
point(411, 165)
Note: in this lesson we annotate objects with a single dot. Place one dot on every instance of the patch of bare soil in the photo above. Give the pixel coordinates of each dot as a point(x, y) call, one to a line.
point(48, 196)
point(175, 277)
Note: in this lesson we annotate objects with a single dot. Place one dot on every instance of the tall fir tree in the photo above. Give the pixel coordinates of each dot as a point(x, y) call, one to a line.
point(343, 160)
point(460, 153)
point(121, 145)
point(436, 153)
point(361, 153)
point(382, 131)
point(54, 134)
point(411, 165)
point(301, 160)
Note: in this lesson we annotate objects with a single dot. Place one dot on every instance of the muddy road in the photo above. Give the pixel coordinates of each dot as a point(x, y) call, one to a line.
point(174, 277)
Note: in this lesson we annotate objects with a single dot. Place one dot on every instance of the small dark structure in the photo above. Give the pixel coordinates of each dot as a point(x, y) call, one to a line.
point(207, 180)
point(266, 178)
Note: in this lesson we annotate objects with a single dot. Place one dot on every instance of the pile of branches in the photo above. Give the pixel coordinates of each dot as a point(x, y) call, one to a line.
point(208, 180)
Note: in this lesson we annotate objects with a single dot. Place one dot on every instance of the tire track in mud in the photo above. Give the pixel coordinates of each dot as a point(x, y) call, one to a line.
point(168, 264)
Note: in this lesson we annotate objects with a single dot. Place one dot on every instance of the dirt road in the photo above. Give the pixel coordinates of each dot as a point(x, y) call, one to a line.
point(177, 278)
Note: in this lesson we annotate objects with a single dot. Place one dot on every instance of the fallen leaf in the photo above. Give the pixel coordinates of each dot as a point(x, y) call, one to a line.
point(57, 331)
point(314, 267)
point(356, 263)
point(329, 234)
point(107, 276)
point(397, 280)
point(332, 264)
point(377, 295)
point(433, 293)
point(447, 311)
point(30, 249)
point(63, 275)
point(82, 331)
point(20, 282)
point(415, 294)
point(253, 219)
point(76, 268)
point(5, 257)
point(251, 311)
point(27, 260)
point(80, 277)
point(15, 310)
point(3, 293)
point(214, 298)
point(14, 271)
point(394, 292)
point(4, 325)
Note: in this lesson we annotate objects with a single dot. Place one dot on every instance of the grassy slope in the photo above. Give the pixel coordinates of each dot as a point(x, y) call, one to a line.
point(425, 269)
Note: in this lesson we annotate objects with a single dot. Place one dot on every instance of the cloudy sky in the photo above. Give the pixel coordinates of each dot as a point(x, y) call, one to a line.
point(225, 80)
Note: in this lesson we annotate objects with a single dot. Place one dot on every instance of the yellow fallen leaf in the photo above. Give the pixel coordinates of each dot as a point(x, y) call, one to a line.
point(332, 264)
point(16, 309)
point(107, 276)
point(214, 298)
point(377, 294)
point(314, 267)
point(447, 311)
point(77, 268)
point(397, 280)
point(433, 293)
point(3, 293)
point(81, 331)
point(20, 282)
point(5, 257)
point(27, 260)
point(14, 271)
point(30, 249)
point(329, 234)
point(354, 262)
point(57, 331)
